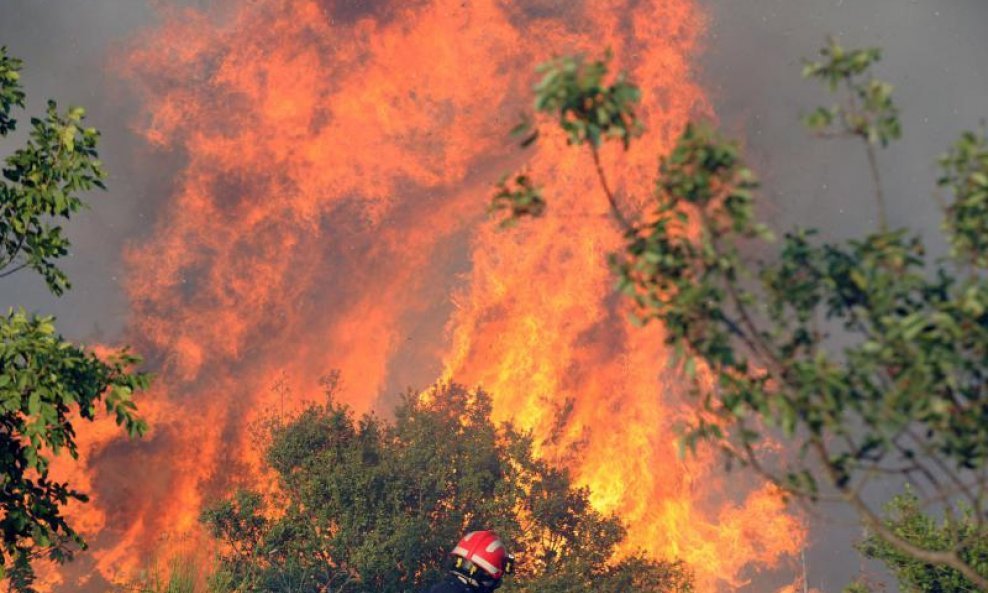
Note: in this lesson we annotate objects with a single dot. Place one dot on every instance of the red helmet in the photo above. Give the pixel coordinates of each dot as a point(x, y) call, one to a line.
point(485, 551)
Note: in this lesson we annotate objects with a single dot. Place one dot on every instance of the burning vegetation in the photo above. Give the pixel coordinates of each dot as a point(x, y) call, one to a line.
point(329, 213)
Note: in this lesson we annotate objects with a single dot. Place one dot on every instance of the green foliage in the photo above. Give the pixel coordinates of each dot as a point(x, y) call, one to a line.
point(524, 199)
point(370, 505)
point(11, 93)
point(46, 383)
point(905, 516)
point(43, 380)
point(868, 357)
point(664, 270)
point(588, 109)
point(868, 111)
point(42, 181)
point(858, 587)
point(633, 574)
point(965, 174)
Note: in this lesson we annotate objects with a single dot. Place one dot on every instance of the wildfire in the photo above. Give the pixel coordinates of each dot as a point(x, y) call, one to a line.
point(330, 214)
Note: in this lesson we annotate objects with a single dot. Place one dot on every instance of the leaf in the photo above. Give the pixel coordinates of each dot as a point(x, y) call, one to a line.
point(34, 404)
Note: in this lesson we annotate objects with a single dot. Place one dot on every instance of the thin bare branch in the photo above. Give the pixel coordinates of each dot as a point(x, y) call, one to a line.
point(878, 527)
point(879, 189)
point(13, 270)
point(619, 216)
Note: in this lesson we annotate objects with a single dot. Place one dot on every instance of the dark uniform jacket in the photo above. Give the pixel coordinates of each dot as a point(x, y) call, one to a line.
point(451, 584)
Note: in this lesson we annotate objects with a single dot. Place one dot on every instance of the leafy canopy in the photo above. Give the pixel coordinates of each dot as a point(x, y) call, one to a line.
point(867, 357)
point(370, 505)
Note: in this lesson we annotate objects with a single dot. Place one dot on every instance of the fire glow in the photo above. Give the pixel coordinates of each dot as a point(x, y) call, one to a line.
point(330, 214)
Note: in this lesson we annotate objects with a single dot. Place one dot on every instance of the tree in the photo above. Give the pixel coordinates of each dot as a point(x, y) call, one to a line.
point(867, 358)
point(46, 383)
point(905, 517)
point(371, 505)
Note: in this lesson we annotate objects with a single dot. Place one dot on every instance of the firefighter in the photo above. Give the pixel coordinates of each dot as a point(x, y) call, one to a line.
point(480, 560)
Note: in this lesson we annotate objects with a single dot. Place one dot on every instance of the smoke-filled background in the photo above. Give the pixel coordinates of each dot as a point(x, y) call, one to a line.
point(299, 186)
point(933, 55)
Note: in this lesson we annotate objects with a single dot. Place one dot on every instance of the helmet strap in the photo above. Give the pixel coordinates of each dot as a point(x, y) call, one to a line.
point(474, 583)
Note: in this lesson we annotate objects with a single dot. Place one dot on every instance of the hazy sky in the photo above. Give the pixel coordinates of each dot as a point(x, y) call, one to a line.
point(936, 56)
point(68, 47)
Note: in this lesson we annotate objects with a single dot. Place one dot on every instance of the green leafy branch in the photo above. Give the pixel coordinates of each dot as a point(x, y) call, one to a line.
point(965, 174)
point(867, 111)
point(590, 111)
point(43, 180)
point(11, 93)
point(44, 382)
point(869, 358)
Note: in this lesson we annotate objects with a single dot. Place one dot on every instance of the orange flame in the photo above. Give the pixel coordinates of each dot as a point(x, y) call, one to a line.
point(337, 159)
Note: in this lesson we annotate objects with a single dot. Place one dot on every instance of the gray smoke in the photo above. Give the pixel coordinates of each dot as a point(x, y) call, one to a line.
point(68, 47)
point(934, 55)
